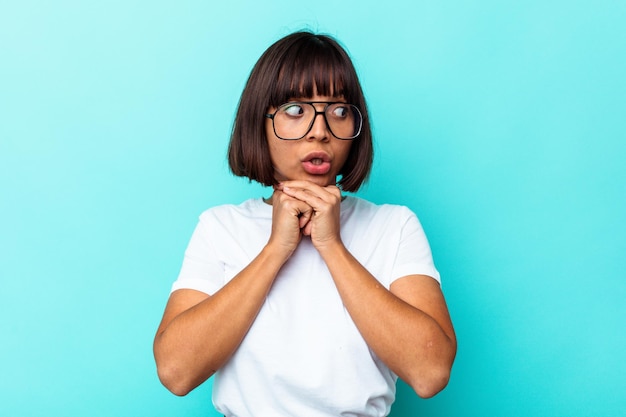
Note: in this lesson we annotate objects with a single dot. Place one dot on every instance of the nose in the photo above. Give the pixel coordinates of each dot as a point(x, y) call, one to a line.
point(319, 130)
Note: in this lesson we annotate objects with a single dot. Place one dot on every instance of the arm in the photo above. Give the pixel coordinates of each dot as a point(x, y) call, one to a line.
point(408, 326)
point(199, 333)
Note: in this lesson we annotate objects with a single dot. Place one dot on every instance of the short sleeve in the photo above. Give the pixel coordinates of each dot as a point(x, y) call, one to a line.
point(202, 270)
point(414, 256)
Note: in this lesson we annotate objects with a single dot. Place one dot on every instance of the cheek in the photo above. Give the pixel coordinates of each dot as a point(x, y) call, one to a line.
point(281, 155)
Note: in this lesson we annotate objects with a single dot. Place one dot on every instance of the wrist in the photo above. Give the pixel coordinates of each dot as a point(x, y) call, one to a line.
point(277, 252)
point(329, 247)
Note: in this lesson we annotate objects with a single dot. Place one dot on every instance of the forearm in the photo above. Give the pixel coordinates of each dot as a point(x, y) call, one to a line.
point(199, 340)
point(407, 339)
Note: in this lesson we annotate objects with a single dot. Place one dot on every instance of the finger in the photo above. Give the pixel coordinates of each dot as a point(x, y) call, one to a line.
point(308, 228)
point(305, 218)
point(312, 194)
point(304, 185)
point(297, 208)
point(333, 189)
point(294, 206)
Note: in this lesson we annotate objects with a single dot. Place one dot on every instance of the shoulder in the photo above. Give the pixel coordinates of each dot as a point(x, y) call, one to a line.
point(252, 208)
point(368, 219)
point(366, 209)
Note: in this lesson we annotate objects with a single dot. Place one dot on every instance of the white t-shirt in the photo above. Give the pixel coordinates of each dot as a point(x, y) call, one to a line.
point(303, 355)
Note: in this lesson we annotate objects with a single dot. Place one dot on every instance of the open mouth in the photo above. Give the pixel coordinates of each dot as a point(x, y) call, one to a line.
point(316, 163)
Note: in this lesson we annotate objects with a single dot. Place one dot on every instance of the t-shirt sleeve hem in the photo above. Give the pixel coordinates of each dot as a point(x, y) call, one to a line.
point(416, 269)
point(194, 284)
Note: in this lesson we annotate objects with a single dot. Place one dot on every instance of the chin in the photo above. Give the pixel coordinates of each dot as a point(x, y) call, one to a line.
point(322, 181)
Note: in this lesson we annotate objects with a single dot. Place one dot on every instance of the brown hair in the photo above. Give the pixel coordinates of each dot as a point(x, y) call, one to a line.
point(298, 65)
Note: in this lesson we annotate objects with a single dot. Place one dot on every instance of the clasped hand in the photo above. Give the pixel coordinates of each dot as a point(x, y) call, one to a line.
point(302, 208)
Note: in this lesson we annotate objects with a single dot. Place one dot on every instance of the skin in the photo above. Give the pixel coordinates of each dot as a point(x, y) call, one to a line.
point(408, 326)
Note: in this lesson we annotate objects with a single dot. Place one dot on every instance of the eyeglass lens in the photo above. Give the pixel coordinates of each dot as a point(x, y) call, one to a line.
point(294, 120)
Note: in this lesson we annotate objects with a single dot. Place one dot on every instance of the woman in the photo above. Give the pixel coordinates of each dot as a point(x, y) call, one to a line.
point(307, 303)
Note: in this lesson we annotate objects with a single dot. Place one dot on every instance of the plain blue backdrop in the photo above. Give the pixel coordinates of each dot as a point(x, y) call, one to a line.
point(502, 124)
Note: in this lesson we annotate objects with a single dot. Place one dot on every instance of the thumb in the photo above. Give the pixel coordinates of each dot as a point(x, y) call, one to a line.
point(305, 218)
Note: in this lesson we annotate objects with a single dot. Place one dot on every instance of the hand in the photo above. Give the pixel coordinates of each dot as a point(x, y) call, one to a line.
point(322, 221)
point(289, 217)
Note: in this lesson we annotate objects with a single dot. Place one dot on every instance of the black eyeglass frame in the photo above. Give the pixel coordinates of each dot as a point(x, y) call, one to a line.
point(323, 112)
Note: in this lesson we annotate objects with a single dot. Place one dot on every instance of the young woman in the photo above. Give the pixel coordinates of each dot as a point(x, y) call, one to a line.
point(308, 303)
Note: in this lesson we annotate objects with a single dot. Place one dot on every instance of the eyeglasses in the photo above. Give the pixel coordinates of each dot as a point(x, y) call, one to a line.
point(293, 120)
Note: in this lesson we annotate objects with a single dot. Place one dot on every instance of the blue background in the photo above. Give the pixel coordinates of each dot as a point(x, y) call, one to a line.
point(502, 124)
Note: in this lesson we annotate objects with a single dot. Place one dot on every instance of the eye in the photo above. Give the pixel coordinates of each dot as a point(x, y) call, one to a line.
point(340, 111)
point(292, 109)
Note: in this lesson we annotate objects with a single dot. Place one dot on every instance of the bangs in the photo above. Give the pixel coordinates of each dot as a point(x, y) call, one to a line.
point(314, 67)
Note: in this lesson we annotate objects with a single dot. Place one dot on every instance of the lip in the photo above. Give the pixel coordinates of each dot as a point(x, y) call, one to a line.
point(316, 168)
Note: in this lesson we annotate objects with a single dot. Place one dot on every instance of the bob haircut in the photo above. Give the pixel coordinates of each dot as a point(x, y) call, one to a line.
point(299, 65)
